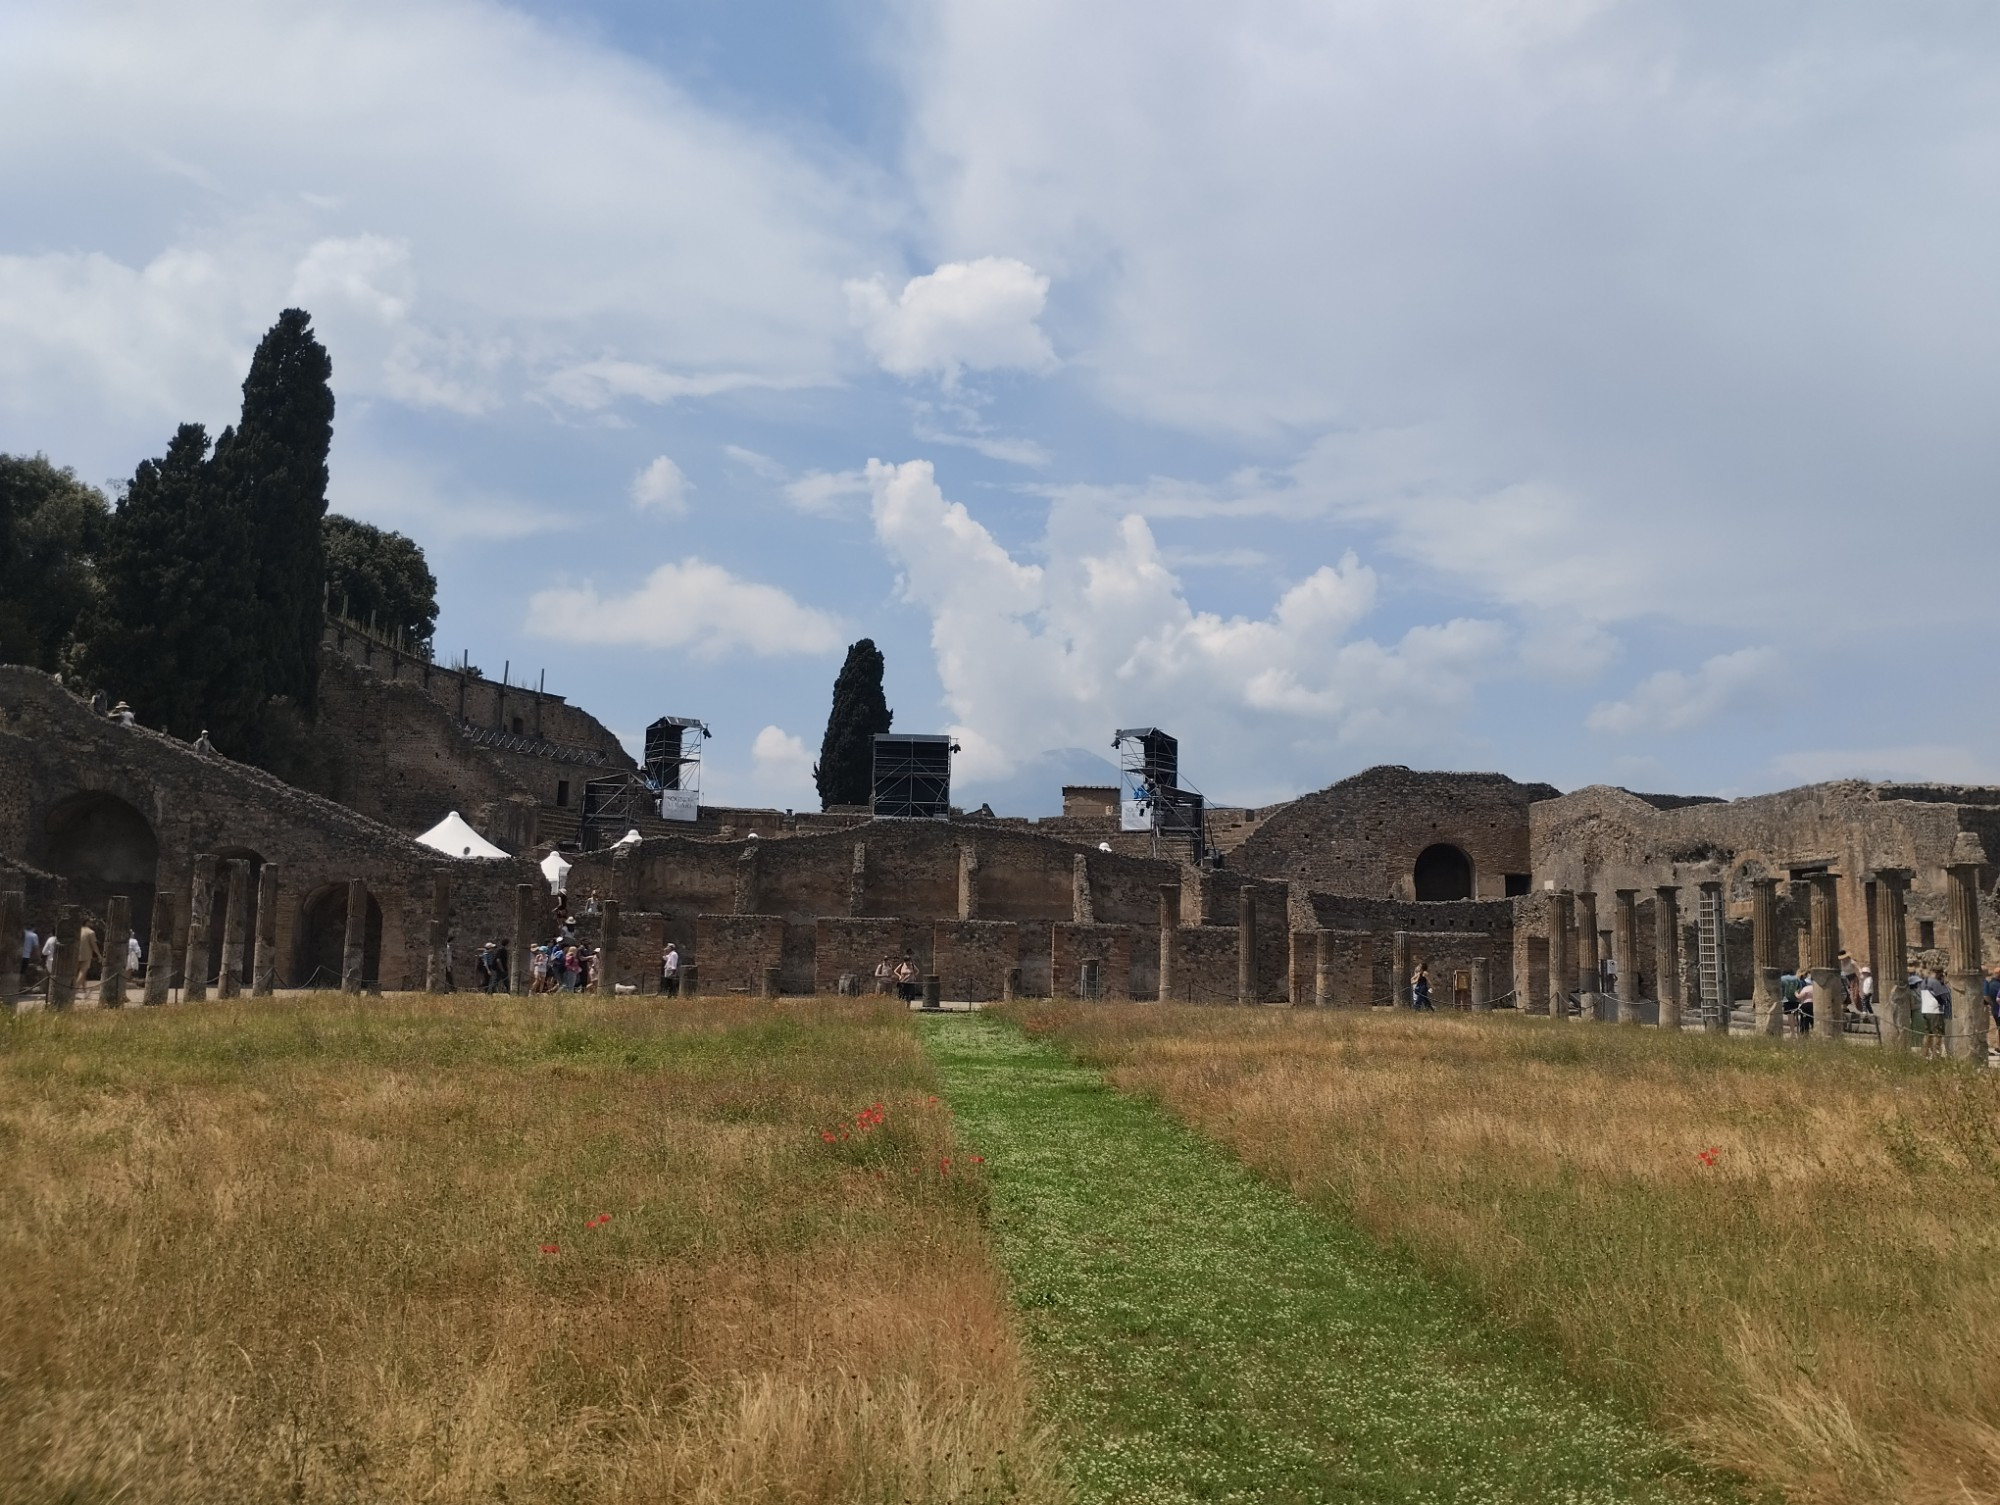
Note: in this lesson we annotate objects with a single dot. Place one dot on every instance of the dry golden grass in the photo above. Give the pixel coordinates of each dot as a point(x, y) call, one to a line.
point(294, 1251)
point(1819, 1308)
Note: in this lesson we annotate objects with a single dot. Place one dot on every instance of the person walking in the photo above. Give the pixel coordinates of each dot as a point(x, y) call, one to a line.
point(1850, 978)
point(1420, 990)
point(670, 971)
point(1867, 1004)
point(31, 956)
point(1808, 996)
point(133, 953)
point(503, 971)
point(1788, 997)
point(1933, 1009)
point(572, 968)
point(86, 952)
point(885, 974)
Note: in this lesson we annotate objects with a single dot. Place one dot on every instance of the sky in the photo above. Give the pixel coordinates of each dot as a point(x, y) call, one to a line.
point(1591, 391)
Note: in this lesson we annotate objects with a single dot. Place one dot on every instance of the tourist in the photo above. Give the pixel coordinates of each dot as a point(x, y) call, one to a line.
point(906, 979)
point(49, 948)
point(1420, 990)
point(1867, 1000)
point(1933, 1008)
point(503, 968)
point(1788, 996)
point(1992, 991)
point(670, 971)
point(1808, 995)
point(122, 714)
point(132, 953)
point(538, 969)
point(202, 745)
point(885, 974)
point(86, 953)
point(1850, 978)
point(572, 967)
point(31, 952)
point(590, 905)
point(485, 964)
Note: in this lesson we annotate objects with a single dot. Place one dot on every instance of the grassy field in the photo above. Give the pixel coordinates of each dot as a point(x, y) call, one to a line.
point(327, 1250)
point(1791, 1258)
point(1202, 1336)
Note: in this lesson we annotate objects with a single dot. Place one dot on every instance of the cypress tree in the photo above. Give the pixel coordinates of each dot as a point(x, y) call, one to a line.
point(845, 771)
point(271, 471)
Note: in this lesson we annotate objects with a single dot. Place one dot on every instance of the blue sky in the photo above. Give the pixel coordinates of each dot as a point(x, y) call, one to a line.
point(1593, 391)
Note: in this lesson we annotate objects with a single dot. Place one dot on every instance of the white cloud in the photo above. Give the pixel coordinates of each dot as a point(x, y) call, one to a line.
point(967, 315)
point(781, 759)
point(759, 465)
point(822, 493)
point(425, 500)
point(477, 209)
point(1673, 701)
point(691, 604)
point(661, 487)
point(1926, 762)
point(1039, 655)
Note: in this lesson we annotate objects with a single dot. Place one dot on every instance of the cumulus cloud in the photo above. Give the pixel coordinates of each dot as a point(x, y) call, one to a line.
point(692, 605)
point(1674, 701)
point(967, 315)
point(824, 493)
point(781, 759)
point(1035, 655)
point(661, 487)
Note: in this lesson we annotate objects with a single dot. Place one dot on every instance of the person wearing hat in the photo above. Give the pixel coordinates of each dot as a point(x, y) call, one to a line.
point(122, 714)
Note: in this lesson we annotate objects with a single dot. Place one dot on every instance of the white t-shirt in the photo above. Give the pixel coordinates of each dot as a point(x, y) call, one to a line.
point(670, 963)
point(132, 953)
point(49, 950)
point(1927, 1002)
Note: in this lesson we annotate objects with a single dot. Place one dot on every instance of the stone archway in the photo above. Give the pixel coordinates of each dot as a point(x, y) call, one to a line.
point(323, 938)
point(103, 846)
point(1443, 872)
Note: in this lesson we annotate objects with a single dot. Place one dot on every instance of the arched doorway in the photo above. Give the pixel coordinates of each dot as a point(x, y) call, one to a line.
point(103, 846)
point(218, 909)
point(323, 939)
point(1443, 872)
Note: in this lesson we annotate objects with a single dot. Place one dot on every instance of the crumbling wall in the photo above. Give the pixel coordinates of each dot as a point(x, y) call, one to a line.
point(1110, 946)
point(733, 950)
point(972, 957)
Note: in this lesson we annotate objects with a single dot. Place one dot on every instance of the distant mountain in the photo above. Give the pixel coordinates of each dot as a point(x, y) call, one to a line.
point(1034, 788)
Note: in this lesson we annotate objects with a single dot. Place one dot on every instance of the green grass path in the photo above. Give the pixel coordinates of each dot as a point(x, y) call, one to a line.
point(1201, 1335)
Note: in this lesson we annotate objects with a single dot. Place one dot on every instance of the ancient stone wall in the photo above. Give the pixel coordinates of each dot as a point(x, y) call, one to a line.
point(1364, 834)
point(1110, 946)
point(733, 950)
point(971, 957)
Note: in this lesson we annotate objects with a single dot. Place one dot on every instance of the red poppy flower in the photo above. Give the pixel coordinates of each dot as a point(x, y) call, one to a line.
point(977, 1159)
point(827, 1135)
point(550, 1249)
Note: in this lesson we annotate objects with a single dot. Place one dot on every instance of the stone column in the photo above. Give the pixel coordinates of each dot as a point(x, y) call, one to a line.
point(1764, 956)
point(1893, 999)
point(1829, 992)
point(13, 931)
point(354, 949)
point(607, 951)
point(1588, 974)
point(1170, 907)
point(625, 877)
point(62, 975)
point(857, 881)
point(524, 919)
point(1010, 984)
point(1322, 968)
point(439, 935)
point(1082, 911)
point(264, 960)
point(1482, 985)
point(1399, 970)
point(160, 949)
point(968, 881)
point(1562, 964)
point(230, 982)
point(1667, 954)
point(1246, 945)
point(117, 926)
point(201, 894)
point(1625, 951)
point(1967, 1027)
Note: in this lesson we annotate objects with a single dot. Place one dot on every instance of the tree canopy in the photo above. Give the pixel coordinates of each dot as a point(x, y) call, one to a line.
point(376, 575)
point(845, 772)
point(53, 527)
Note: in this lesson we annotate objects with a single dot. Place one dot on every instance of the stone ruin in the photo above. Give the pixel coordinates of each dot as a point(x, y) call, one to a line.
point(1512, 894)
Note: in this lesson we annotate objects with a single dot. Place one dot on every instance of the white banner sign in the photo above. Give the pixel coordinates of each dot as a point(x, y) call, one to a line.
point(679, 804)
point(1135, 815)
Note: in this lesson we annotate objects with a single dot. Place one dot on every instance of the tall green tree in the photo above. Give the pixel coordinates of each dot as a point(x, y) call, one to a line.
point(271, 470)
point(845, 771)
point(52, 529)
point(177, 633)
point(373, 574)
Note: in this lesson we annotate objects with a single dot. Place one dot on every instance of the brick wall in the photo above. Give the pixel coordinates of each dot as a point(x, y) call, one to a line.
point(971, 957)
point(1204, 964)
point(858, 945)
point(733, 950)
point(1363, 834)
point(1108, 945)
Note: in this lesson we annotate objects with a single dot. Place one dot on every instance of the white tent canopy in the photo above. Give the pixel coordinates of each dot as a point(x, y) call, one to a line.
point(453, 837)
point(557, 872)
